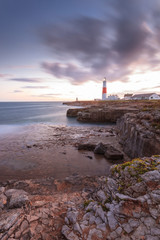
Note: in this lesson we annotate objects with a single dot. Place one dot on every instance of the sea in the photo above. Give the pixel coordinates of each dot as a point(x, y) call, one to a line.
point(14, 115)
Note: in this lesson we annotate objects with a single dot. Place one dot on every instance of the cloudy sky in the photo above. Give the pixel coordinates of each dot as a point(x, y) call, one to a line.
point(60, 50)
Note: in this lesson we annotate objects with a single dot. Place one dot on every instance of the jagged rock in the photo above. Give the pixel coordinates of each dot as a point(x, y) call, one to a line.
point(72, 216)
point(155, 231)
point(8, 219)
point(113, 235)
point(139, 189)
point(127, 228)
point(155, 196)
point(77, 228)
point(133, 223)
point(102, 227)
point(149, 237)
point(17, 198)
point(94, 233)
point(98, 221)
point(65, 231)
point(100, 149)
point(88, 215)
point(119, 231)
point(111, 220)
point(72, 236)
point(151, 176)
point(101, 196)
point(100, 213)
point(149, 222)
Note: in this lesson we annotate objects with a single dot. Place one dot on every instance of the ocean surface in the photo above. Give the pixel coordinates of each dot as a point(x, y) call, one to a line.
point(14, 115)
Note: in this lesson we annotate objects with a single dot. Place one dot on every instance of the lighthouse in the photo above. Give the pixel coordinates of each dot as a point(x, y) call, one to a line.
point(104, 89)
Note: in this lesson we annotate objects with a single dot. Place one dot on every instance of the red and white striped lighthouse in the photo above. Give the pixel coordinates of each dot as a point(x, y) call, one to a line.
point(104, 89)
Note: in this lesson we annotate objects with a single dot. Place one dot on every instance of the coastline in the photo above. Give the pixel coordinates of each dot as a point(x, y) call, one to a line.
point(43, 150)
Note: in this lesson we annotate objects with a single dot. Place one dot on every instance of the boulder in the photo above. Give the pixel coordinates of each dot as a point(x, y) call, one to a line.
point(86, 146)
point(100, 149)
point(113, 154)
point(17, 198)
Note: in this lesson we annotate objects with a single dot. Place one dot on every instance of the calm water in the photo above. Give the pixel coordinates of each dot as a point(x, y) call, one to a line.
point(16, 114)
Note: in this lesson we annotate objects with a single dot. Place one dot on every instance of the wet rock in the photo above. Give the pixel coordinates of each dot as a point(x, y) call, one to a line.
point(100, 149)
point(86, 146)
point(113, 154)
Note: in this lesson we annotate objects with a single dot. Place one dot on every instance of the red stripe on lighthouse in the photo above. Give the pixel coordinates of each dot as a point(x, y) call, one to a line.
point(104, 90)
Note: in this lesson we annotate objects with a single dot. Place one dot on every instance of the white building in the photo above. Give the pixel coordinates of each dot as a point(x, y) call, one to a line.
point(113, 97)
point(128, 96)
point(147, 96)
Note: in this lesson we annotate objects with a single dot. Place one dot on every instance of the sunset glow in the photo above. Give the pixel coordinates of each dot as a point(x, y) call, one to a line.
point(51, 54)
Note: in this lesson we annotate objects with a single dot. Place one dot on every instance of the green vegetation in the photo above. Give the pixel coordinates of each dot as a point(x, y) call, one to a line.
point(135, 169)
point(86, 203)
point(156, 125)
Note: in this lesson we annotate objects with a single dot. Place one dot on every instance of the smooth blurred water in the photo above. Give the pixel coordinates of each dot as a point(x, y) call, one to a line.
point(15, 114)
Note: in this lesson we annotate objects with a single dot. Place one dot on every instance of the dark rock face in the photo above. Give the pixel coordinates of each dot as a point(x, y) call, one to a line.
point(100, 149)
point(99, 114)
point(113, 154)
point(138, 135)
point(107, 150)
point(73, 112)
point(86, 146)
point(103, 114)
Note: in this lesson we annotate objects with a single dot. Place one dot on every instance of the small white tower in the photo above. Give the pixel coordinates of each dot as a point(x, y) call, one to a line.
point(104, 89)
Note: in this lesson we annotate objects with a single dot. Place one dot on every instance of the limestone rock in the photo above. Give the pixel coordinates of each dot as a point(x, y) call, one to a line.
point(101, 196)
point(8, 219)
point(17, 198)
point(112, 221)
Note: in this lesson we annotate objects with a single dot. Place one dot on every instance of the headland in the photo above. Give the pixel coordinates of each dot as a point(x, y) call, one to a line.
point(122, 203)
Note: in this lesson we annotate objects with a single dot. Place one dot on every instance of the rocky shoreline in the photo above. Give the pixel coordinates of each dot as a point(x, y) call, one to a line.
point(124, 205)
